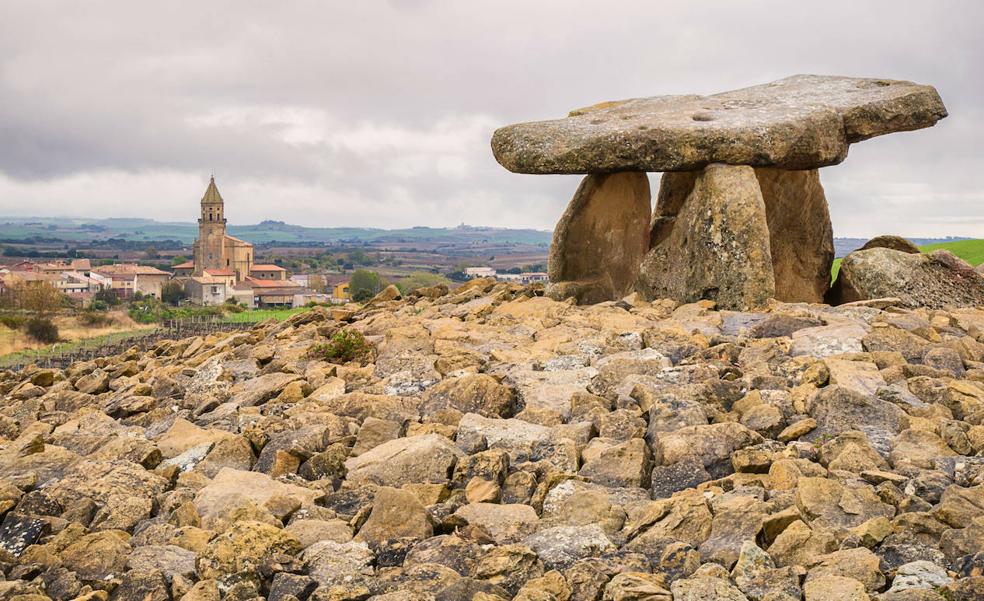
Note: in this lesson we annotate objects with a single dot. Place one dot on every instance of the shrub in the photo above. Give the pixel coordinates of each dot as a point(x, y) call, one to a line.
point(345, 346)
point(14, 322)
point(173, 293)
point(99, 305)
point(42, 330)
point(149, 310)
point(94, 319)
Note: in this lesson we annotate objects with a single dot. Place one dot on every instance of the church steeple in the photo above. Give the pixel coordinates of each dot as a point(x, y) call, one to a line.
point(213, 207)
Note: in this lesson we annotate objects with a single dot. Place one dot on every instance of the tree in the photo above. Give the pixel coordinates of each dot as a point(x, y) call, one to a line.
point(318, 284)
point(365, 284)
point(40, 298)
point(152, 253)
point(173, 293)
point(421, 279)
point(178, 260)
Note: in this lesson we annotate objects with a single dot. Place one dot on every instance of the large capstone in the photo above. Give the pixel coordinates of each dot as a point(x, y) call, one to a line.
point(601, 238)
point(801, 122)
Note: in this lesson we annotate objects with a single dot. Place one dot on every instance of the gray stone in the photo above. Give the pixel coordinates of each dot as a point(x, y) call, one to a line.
point(561, 546)
point(800, 122)
point(916, 280)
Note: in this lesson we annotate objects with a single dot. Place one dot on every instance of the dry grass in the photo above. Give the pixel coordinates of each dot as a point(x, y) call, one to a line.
point(70, 330)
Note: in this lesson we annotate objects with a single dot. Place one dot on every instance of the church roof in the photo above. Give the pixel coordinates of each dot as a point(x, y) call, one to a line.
point(238, 241)
point(212, 195)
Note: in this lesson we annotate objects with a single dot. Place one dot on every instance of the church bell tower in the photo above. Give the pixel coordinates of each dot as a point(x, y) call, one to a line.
point(211, 231)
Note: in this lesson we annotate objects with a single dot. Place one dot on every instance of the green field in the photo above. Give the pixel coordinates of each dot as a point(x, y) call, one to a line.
point(259, 315)
point(971, 251)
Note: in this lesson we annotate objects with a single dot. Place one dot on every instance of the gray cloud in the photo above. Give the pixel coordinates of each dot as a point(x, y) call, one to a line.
point(376, 113)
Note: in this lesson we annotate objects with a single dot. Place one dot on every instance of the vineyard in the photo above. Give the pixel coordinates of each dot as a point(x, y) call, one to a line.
point(66, 353)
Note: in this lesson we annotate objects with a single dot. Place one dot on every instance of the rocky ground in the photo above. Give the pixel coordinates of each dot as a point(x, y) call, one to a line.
point(501, 445)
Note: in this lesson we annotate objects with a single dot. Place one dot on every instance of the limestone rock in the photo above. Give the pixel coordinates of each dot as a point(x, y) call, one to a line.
point(711, 444)
point(396, 514)
point(98, 556)
point(710, 241)
point(561, 546)
point(751, 126)
point(504, 523)
point(616, 464)
point(601, 238)
point(425, 458)
point(471, 393)
point(834, 588)
point(917, 280)
point(331, 563)
point(243, 547)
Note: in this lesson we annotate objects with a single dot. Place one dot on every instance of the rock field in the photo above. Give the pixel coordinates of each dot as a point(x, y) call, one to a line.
point(502, 445)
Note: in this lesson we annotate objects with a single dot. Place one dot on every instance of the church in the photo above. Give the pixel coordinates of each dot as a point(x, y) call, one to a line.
point(215, 250)
point(223, 266)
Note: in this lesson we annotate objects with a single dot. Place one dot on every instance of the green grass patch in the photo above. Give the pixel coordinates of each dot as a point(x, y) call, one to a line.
point(971, 251)
point(259, 315)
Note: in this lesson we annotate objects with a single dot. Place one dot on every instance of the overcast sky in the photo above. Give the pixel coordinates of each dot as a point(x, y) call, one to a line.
point(379, 114)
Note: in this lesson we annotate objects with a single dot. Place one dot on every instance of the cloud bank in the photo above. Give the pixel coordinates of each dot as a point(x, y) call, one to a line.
point(380, 113)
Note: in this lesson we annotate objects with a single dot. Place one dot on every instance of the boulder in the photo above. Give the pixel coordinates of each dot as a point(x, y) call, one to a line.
point(711, 444)
point(601, 238)
point(893, 242)
point(508, 523)
point(243, 547)
point(396, 514)
point(409, 460)
point(752, 126)
point(559, 547)
point(471, 393)
point(916, 280)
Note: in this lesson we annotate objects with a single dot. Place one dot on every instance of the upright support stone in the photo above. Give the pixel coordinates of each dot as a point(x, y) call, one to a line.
point(710, 240)
point(800, 236)
point(601, 238)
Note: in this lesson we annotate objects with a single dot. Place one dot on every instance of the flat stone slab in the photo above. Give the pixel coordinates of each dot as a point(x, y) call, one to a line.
point(800, 122)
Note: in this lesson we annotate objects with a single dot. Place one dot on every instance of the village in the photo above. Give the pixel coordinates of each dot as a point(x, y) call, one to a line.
point(223, 271)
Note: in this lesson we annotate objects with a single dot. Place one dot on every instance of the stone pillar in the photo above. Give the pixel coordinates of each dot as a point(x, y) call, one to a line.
point(800, 235)
point(739, 236)
point(601, 238)
point(710, 240)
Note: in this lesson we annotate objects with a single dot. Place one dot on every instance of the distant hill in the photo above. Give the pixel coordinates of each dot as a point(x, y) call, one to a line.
point(81, 230)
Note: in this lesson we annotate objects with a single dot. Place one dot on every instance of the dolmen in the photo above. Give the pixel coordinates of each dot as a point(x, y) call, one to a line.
point(740, 215)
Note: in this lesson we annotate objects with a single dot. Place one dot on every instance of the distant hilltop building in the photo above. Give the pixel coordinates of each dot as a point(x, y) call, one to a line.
point(223, 266)
point(215, 249)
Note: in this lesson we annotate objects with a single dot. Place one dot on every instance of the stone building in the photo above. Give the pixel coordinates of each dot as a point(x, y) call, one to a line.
point(214, 248)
